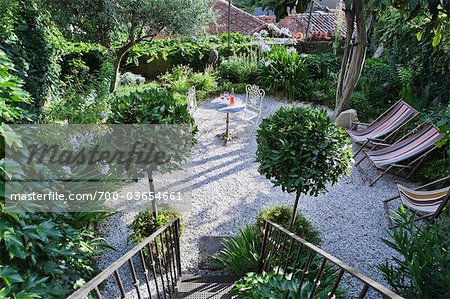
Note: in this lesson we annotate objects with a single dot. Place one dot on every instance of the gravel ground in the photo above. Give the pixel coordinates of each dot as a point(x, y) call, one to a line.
point(228, 192)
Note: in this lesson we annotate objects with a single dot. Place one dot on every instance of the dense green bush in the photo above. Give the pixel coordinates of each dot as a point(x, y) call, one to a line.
point(149, 106)
point(282, 215)
point(320, 66)
point(283, 71)
point(241, 252)
point(145, 224)
point(420, 268)
point(82, 101)
point(444, 128)
point(12, 95)
point(240, 69)
point(31, 41)
point(82, 62)
point(189, 50)
point(42, 255)
point(420, 66)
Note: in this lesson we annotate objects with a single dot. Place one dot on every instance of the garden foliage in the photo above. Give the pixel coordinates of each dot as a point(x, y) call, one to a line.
point(243, 250)
point(282, 215)
point(149, 106)
point(420, 268)
point(145, 223)
point(284, 71)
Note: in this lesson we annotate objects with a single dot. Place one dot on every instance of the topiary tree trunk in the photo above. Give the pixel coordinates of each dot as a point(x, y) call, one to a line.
point(294, 210)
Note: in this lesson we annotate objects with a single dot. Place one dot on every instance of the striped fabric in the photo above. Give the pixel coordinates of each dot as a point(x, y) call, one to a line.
point(422, 201)
point(394, 118)
point(417, 143)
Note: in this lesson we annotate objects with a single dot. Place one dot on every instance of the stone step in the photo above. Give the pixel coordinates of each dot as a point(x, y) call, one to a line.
point(200, 287)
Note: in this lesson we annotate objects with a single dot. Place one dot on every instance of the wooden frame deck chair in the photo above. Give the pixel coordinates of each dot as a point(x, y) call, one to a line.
point(429, 204)
point(410, 150)
point(386, 125)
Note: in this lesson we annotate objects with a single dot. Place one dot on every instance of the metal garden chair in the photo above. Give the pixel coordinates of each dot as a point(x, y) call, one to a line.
point(253, 106)
point(202, 116)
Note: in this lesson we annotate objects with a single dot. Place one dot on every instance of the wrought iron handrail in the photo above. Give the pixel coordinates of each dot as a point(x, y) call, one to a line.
point(158, 252)
point(282, 250)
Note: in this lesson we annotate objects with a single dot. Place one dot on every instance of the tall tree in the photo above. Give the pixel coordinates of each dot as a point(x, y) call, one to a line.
point(356, 39)
point(121, 24)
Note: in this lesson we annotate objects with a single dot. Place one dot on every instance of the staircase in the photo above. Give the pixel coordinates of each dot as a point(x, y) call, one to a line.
point(200, 287)
point(153, 269)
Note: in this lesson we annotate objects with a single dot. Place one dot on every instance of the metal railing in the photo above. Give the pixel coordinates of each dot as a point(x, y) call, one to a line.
point(287, 254)
point(156, 261)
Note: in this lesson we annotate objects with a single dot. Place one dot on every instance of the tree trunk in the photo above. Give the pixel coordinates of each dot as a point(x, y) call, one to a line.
point(294, 210)
point(119, 55)
point(354, 55)
point(152, 192)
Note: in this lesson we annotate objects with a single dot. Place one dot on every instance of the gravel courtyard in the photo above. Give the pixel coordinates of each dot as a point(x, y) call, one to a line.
point(228, 192)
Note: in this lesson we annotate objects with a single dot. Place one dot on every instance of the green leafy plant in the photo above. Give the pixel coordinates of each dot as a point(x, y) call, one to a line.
point(285, 72)
point(181, 78)
point(149, 106)
point(301, 150)
point(444, 128)
point(242, 251)
point(240, 68)
point(145, 223)
point(276, 284)
point(282, 215)
point(32, 42)
point(420, 270)
point(12, 95)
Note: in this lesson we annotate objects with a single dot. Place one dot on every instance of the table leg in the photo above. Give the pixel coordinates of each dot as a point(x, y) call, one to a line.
point(227, 133)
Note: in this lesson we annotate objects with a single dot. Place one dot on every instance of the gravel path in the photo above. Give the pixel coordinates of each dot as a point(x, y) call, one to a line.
point(228, 192)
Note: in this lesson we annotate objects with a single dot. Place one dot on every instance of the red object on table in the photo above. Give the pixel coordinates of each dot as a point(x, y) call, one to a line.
point(232, 99)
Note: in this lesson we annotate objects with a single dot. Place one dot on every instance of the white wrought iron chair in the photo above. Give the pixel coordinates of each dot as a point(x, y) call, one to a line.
point(202, 116)
point(253, 106)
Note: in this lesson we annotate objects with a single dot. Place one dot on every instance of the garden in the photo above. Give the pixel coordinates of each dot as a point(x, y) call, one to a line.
point(288, 166)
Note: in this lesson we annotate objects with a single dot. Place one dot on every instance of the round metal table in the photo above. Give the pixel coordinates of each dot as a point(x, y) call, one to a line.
point(223, 105)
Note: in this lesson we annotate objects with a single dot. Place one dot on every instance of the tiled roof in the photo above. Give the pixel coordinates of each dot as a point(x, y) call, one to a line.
point(241, 21)
point(322, 25)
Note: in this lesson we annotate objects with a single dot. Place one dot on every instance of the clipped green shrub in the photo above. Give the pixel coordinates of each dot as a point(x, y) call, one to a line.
point(242, 252)
point(283, 71)
point(282, 215)
point(145, 224)
point(240, 69)
point(420, 267)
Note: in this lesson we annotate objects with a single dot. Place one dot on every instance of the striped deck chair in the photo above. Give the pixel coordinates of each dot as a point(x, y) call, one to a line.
point(418, 143)
point(386, 125)
point(428, 204)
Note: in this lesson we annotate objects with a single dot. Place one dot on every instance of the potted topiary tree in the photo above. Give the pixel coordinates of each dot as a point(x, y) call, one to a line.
point(301, 150)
